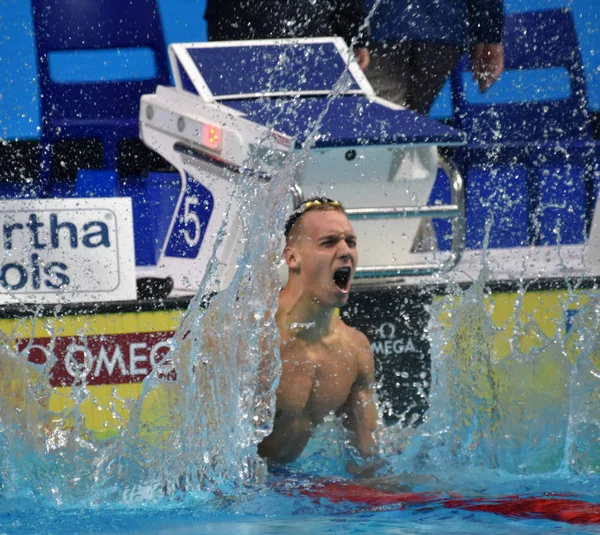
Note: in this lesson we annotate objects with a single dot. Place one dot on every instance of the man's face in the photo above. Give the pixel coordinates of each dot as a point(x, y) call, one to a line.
point(324, 248)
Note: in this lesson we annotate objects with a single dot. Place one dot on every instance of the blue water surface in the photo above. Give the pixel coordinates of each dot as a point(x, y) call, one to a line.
point(266, 514)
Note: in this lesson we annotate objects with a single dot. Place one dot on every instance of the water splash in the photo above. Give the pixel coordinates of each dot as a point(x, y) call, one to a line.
point(514, 385)
point(582, 454)
point(217, 410)
point(198, 434)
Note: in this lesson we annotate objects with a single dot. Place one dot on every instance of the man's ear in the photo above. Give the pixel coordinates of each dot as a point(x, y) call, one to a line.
point(292, 259)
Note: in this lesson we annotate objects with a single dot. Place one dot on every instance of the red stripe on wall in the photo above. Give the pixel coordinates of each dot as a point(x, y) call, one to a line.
point(103, 359)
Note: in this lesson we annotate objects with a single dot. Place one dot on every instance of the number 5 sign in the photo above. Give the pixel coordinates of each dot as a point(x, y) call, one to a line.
point(201, 215)
point(191, 221)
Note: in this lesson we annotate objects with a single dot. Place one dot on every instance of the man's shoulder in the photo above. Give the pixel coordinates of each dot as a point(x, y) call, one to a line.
point(356, 338)
point(360, 349)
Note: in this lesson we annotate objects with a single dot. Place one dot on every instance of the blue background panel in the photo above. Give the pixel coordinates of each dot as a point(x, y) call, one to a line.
point(183, 22)
point(561, 214)
point(496, 209)
point(107, 65)
point(153, 200)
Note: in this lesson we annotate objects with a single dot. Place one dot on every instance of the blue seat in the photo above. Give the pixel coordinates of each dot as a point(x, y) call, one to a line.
point(496, 211)
point(546, 142)
point(95, 183)
point(104, 109)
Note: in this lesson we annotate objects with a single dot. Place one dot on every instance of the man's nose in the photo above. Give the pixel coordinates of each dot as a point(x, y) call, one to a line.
point(344, 251)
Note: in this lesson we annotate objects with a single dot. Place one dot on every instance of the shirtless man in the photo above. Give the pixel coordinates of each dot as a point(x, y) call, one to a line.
point(327, 366)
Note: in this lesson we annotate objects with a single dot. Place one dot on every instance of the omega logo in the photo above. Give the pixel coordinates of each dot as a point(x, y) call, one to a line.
point(386, 330)
point(387, 343)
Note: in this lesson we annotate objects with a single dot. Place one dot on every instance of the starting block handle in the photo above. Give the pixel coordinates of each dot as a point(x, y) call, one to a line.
point(455, 210)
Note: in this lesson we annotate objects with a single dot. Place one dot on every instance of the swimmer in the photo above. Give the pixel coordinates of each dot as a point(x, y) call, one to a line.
point(327, 366)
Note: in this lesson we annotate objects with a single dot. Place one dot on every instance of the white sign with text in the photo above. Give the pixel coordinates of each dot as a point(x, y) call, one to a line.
point(66, 250)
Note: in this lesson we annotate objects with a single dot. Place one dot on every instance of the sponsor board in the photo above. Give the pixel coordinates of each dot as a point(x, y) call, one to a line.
point(385, 342)
point(521, 324)
point(395, 323)
point(66, 250)
point(113, 353)
point(110, 353)
point(107, 359)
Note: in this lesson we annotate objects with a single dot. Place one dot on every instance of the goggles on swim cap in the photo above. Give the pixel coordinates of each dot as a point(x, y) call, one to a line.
point(305, 207)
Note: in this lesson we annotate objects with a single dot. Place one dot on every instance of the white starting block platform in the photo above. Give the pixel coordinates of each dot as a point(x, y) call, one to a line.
point(234, 100)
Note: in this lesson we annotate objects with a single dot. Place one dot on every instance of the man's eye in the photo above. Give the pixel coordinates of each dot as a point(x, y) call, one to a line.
point(351, 243)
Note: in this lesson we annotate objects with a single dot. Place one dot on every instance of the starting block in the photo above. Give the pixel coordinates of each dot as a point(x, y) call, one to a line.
point(307, 95)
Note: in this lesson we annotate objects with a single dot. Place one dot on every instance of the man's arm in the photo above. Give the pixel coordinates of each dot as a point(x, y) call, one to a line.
point(360, 410)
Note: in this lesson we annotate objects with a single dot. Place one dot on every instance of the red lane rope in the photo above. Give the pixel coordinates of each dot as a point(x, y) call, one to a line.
point(560, 509)
point(557, 509)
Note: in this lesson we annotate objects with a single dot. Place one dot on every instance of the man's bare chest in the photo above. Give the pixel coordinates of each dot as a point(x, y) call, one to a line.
point(318, 379)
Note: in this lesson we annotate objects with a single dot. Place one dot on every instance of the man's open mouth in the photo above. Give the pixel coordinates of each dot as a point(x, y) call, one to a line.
point(341, 278)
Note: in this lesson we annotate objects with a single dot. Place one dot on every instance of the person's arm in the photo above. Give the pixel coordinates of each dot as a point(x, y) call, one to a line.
point(360, 413)
point(487, 64)
point(360, 416)
point(486, 21)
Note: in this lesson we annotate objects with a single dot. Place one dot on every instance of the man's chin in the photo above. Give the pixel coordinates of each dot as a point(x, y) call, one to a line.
point(341, 298)
point(334, 301)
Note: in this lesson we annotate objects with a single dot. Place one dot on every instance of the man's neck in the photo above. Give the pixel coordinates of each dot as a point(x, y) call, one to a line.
point(304, 317)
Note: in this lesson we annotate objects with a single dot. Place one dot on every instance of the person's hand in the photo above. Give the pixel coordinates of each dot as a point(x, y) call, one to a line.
point(487, 63)
point(367, 468)
point(362, 57)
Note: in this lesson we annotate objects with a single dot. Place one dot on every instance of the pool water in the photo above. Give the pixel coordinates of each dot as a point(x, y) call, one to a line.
point(476, 447)
point(266, 511)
